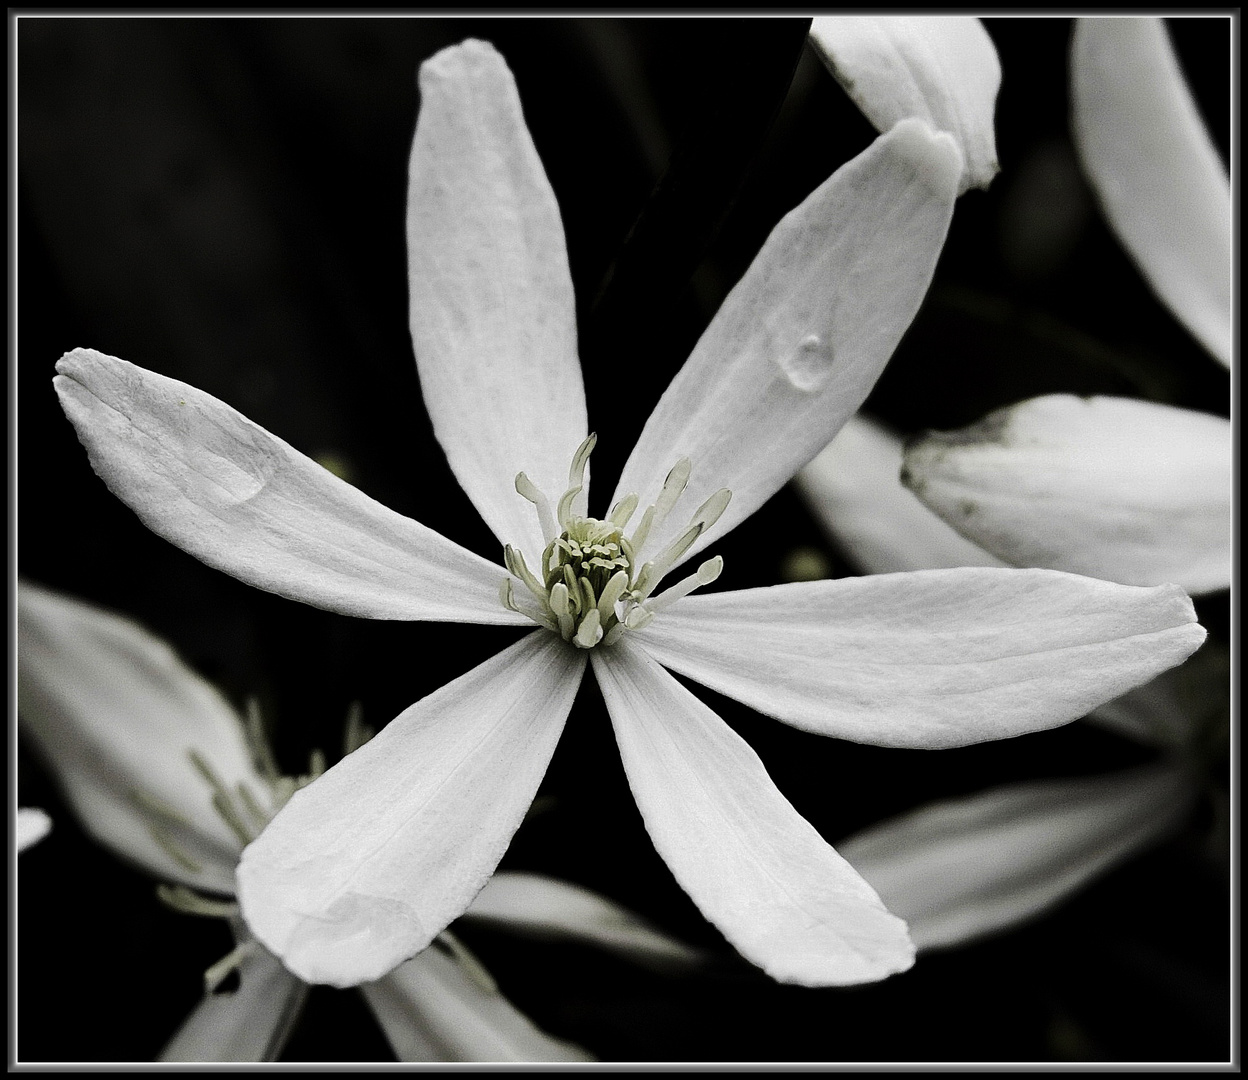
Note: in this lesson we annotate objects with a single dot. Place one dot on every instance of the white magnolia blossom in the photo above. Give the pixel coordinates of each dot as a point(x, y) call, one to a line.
point(162, 770)
point(961, 869)
point(364, 867)
point(939, 68)
point(32, 826)
point(1155, 170)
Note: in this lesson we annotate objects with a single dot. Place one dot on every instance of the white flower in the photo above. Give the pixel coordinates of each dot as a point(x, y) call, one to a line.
point(961, 869)
point(1155, 170)
point(1131, 491)
point(161, 770)
point(364, 867)
point(942, 69)
point(32, 826)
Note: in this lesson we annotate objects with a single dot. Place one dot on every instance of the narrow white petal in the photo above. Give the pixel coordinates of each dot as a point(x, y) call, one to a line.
point(432, 1009)
point(114, 714)
point(805, 333)
point(756, 869)
point(1127, 490)
point(552, 910)
point(493, 316)
point(961, 869)
point(222, 488)
point(855, 491)
point(250, 1024)
point(1155, 169)
point(928, 659)
point(939, 68)
point(368, 863)
point(32, 826)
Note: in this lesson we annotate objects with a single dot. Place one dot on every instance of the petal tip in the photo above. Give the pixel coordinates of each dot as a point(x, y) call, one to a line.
point(934, 155)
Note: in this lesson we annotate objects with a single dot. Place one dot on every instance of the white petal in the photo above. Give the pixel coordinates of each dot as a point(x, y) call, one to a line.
point(222, 488)
point(929, 659)
point(756, 869)
point(250, 1024)
point(960, 869)
point(854, 490)
point(803, 336)
point(432, 1009)
point(114, 714)
point(367, 864)
point(1116, 488)
point(1155, 169)
point(493, 316)
point(939, 68)
point(552, 910)
point(32, 826)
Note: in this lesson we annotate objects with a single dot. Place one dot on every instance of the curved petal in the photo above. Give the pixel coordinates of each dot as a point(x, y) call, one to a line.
point(854, 490)
point(32, 826)
point(115, 715)
point(433, 1009)
point(1155, 169)
point(803, 336)
point(939, 68)
point(250, 1024)
point(552, 910)
point(930, 659)
point(756, 869)
point(961, 869)
point(222, 488)
point(368, 863)
point(1127, 490)
point(493, 316)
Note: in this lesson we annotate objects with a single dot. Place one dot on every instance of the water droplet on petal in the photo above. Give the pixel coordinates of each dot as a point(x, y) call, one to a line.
point(808, 366)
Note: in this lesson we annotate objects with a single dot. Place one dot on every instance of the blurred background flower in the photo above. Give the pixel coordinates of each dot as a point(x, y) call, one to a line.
point(221, 199)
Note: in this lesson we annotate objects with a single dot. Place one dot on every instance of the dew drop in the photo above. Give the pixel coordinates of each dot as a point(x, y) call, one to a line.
point(808, 366)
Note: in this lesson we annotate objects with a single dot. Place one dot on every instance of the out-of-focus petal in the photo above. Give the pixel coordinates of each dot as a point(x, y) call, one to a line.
point(1155, 169)
point(939, 68)
point(805, 333)
point(493, 315)
point(552, 910)
point(206, 478)
point(250, 1024)
point(929, 659)
point(32, 826)
point(1127, 490)
point(756, 869)
point(961, 869)
point(854, 490)
point(114, 714)
point(368, 863)
point(433, 1009)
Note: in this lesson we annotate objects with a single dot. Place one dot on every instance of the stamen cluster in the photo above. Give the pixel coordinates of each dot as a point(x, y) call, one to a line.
point(589, 588)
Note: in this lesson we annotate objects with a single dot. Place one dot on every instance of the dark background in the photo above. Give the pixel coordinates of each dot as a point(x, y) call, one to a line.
point(222, 200)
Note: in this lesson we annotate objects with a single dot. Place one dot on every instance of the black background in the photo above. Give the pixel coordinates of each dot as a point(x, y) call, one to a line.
point(222, 200)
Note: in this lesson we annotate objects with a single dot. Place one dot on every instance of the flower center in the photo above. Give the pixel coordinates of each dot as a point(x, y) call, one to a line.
point(589, 587)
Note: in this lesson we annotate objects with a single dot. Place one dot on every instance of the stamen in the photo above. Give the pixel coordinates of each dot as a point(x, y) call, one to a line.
point(653, 571)
point(356, 733)
point(623, 510)
point(565, 507)
point(258, 743)
point(559, 605)
point(189, 902)
point(147, 801)
point(530, 491)
point(576, 474)
point(516, 564)
point(171, 848)
point(615, 588)
point(711, 510)
point(228, 812)
point(471, 965)
point(316, 763)
point(590, 631)
point(219, 972)
point(252, 806)
point(706, 573)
